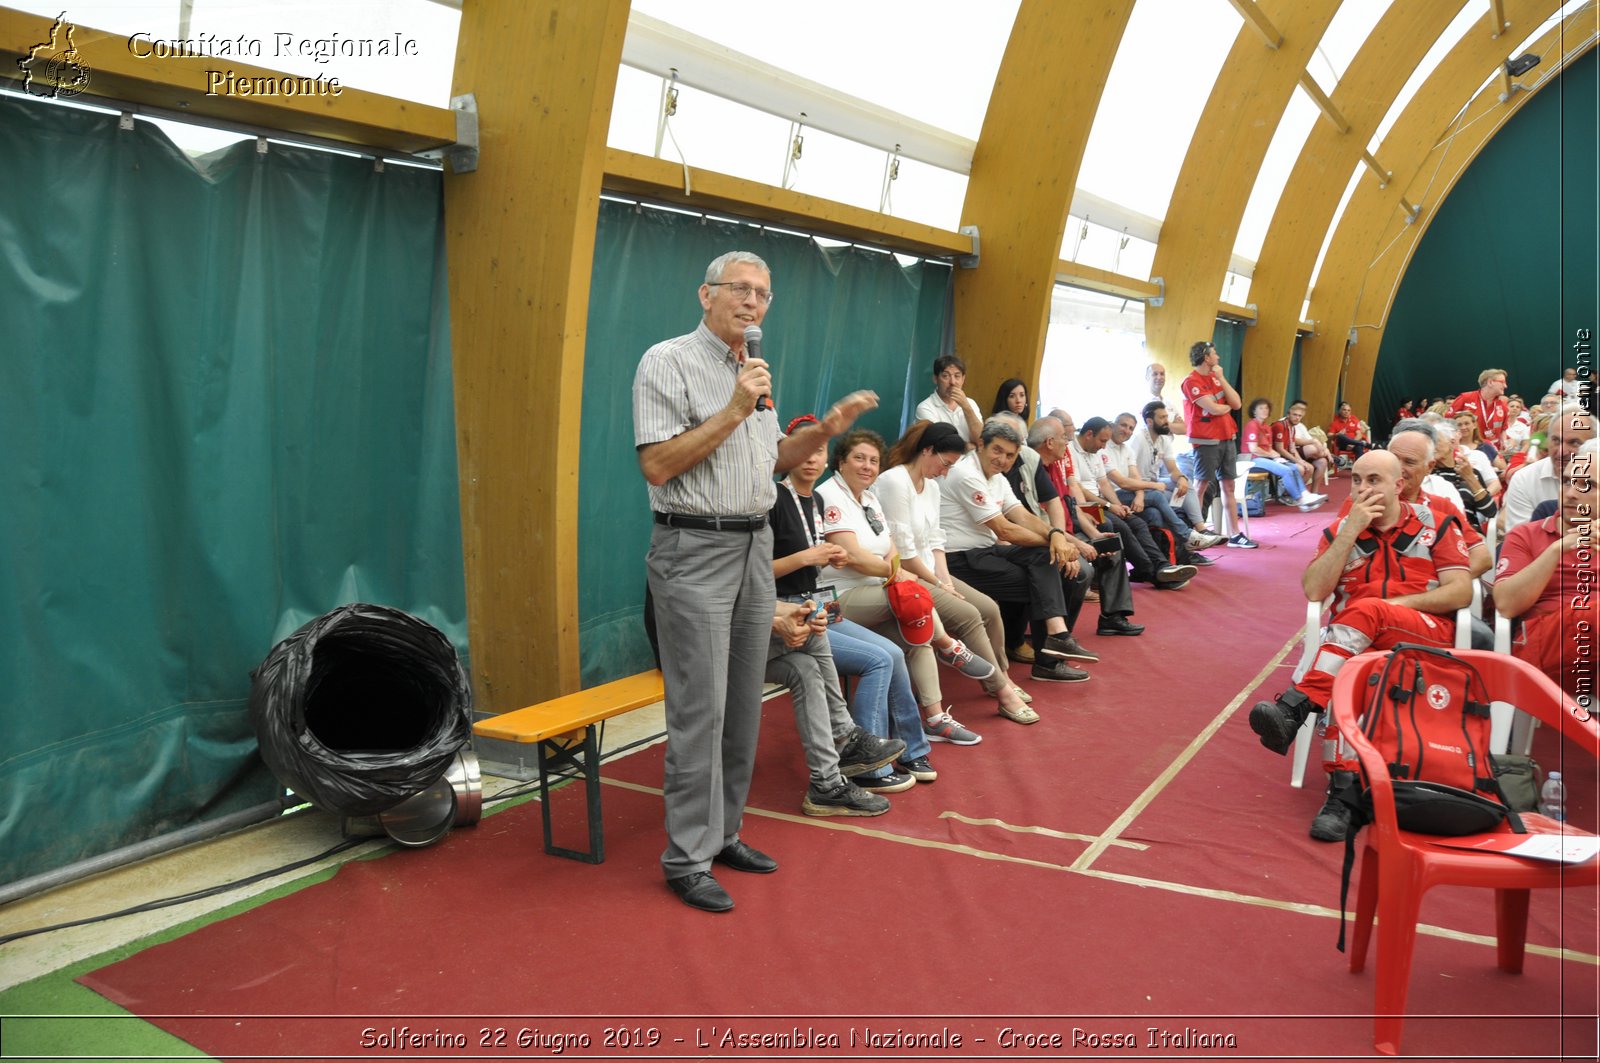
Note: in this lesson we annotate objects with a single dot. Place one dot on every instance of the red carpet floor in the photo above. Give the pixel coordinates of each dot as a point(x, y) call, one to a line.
point(1133, 861)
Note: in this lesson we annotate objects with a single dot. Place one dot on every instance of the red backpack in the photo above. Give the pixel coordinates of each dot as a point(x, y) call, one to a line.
point(1427, 713)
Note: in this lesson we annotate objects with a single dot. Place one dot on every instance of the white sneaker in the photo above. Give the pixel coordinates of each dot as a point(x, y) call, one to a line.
point(1311, 501)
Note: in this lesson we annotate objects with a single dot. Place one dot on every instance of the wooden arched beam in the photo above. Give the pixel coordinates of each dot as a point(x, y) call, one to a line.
point(1219, 170)
point(1023, 174)
point(1321, 171)
point(1401, 240)
point(520, 234)
point(1374, 214)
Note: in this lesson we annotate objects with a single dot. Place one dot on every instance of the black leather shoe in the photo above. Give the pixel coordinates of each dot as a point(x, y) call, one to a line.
point(701, 891)
point(742, 857)
point(1117, 624)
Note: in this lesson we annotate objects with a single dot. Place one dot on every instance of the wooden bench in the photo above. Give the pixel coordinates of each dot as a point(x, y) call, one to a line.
point(563, 732)
point(567, 745)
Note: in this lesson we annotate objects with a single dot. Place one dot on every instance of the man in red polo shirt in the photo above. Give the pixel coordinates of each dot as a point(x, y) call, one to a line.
point(1488, 404)
point(1546, 579)
point(1208, 405)
point(1396, 572)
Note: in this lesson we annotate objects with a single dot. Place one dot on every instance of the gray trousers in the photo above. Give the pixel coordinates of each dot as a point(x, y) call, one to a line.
point(714, 603)
point(820, 711)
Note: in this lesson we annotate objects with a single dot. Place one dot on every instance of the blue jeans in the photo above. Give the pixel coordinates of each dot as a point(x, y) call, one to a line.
point(1289, 474)
point(883, 694)
point(1158, 513)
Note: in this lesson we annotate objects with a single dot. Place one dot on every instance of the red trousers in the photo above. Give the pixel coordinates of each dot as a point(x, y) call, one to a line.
point(1368, 624)
point(1562, 645)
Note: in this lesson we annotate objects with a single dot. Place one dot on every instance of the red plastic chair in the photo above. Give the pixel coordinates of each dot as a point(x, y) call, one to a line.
point(1398, 867)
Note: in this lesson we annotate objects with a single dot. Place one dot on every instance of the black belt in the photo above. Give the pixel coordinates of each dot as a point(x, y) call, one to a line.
point(730, 524)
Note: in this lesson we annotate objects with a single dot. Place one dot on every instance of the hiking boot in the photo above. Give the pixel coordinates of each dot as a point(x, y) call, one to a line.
point(944, 728)
point(845, 799)
point(1064, 645)
point(1333, 820)
point(965, 661)
point(1058, 671)
point(861, 750)
point(892, 783)
point(1243, 542)
point(918, 768)
point(1277, 721)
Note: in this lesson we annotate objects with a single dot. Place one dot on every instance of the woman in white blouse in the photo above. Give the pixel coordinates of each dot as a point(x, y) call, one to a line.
point(854, 518)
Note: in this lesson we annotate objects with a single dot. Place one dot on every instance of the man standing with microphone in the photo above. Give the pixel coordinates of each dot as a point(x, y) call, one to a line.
point(708, 444)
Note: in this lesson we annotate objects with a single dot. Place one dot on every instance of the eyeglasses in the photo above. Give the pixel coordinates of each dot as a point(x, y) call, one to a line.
point(874, 521)
point(947, 464)
point(741, 291)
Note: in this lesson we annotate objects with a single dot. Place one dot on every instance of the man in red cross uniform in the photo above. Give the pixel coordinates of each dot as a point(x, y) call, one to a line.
point(1488, 403)
point(1546, 581)
point(1397, 572)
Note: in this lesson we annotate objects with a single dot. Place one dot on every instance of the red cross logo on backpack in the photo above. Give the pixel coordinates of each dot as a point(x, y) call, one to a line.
point(1438, 696)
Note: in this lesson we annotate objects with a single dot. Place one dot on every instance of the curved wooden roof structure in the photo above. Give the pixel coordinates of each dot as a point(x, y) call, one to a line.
point(521, 226)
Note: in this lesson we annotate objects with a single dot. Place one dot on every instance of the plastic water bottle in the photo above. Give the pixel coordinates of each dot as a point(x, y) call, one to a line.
point(1553, 797)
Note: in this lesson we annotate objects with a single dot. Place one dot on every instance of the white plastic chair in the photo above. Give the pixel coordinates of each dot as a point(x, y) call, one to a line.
point(1521, 725)
point(1499, 712)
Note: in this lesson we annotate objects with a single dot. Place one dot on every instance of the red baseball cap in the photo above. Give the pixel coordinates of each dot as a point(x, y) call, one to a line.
point(912, 606)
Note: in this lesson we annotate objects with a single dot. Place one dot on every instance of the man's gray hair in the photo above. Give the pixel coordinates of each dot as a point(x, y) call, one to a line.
point(1014, 421)
point(720, 264)
point(1043, 431)
point(1417, 425)
point(997, 427)
point(1445, 431)
point(1571, 408)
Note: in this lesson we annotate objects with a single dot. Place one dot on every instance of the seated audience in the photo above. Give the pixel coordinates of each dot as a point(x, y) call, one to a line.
point(993, 543)
point(1256, 445)
point(1546, 581)
point(1397, 574)
point(1012, 398)
point(1051, 437)
point(800, 659)
point(1149, 562)
point(1453, 464)
point(1295, 442)
point(852, 517)
point(1156, 456)
point(1485, 458)
point(910, 492)
point(1540, 481)
point(1144, 495)
point(949, 403)
point(883, 696)
point(1350, 435)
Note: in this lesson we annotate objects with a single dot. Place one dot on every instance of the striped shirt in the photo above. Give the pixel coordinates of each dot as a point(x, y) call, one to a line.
point(682, 383)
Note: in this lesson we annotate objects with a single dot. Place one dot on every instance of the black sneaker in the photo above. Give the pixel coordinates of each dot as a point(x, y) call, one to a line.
point(1065, 645)
point(1201, 560)
point(846, 799)
point(1117, 624)
point(1277, 721)
point(918, 768)
point(1174, 574)
point(861, 750)
point(1331, 822)
point(1058, 671)
point(892, 783)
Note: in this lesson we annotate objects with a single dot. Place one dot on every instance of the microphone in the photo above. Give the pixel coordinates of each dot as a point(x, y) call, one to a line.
point(752, 349)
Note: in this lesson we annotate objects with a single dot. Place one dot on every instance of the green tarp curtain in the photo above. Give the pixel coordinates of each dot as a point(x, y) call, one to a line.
point(842, 319)
point(1506, 275)
point(225, 408)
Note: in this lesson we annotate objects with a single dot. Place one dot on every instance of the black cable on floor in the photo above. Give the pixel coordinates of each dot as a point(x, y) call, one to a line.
point(168, 902)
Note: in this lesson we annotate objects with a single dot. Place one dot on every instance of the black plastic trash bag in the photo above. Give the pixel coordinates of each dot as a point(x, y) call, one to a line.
point(361, 708)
